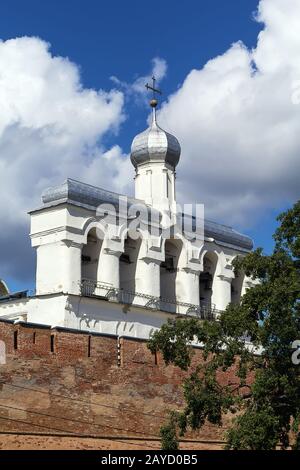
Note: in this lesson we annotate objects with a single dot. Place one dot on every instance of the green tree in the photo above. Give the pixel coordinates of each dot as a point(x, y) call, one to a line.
point(265, 410)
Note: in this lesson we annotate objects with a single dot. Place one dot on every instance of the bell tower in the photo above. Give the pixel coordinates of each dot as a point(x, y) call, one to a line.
point(155, 154)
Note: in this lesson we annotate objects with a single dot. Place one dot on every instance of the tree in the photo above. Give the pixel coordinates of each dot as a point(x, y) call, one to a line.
point(264, 400)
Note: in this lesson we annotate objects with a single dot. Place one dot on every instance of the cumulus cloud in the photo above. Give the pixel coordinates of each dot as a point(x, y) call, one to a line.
point(238, 122)
point(237, 119)
point(137, 87)
point(51, 128)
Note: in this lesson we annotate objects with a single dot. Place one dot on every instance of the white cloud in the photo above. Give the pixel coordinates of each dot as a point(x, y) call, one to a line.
point(238, 123)
point(51, 128)
point(137, 87)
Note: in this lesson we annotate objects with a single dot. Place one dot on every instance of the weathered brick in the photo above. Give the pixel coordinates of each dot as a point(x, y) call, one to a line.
point(84, 387)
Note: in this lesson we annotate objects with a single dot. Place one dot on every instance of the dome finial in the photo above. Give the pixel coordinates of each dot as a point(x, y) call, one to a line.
point(154, 101)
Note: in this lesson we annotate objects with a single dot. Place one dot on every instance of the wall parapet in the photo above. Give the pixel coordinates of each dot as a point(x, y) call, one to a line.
point(79, 382)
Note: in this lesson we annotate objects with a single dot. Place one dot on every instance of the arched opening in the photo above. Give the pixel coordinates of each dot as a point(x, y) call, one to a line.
point(237, 287)
point(210, 262)
point(128, 263)
point(90, 257)
point(168, 274)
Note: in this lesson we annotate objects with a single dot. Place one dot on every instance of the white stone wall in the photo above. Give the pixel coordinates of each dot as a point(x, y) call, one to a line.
point(64, 233)
point(60, 267)
point(60, 270)
point(155, 184)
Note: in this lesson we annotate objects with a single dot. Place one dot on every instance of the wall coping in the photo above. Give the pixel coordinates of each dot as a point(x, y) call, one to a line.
point(62, 329)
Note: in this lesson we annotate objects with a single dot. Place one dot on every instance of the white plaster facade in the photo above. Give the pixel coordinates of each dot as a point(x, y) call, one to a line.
point(100, 279)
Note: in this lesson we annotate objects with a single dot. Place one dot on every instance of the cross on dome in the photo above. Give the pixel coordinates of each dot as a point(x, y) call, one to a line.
point(153, 102)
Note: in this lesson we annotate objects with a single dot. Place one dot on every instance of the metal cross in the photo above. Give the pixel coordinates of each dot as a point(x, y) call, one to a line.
point(155, 90)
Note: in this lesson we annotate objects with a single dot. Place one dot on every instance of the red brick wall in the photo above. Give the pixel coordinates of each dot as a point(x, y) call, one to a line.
point(90, 384)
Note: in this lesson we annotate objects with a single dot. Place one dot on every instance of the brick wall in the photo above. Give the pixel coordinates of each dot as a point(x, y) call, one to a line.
point(58, 381)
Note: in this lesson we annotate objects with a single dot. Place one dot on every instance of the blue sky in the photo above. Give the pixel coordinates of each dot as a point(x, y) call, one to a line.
point(120, 39)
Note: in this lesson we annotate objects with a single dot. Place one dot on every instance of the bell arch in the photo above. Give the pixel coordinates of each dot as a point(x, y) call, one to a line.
point(207, 279)
point(128, 265)
point(237, 286)
point(168, 272)
point(90, 257)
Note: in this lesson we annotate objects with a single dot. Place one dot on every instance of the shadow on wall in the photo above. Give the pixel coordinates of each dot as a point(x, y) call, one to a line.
point(169, 269)
point(207, 277)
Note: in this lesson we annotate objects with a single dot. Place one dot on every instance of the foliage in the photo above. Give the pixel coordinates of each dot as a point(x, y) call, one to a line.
point(265, 394)
point(168, 434)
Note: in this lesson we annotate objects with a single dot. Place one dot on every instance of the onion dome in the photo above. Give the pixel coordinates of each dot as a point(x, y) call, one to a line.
point(155, 145)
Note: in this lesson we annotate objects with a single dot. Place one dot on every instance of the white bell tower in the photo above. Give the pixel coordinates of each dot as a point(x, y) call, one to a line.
point(155, 154)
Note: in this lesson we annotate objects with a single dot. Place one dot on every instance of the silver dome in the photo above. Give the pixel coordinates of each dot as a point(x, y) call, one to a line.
point(155, 144)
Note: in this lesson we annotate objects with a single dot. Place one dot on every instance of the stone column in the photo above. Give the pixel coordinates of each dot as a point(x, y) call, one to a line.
point(58, 268)
point(109, 268)
point(147, 280)
point(71, 267)
point(187, 289)
point(221, 292)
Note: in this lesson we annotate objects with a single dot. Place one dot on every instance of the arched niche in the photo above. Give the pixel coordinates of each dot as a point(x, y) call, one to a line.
point(90, 256)
point(206, 279)
point(237, 287)
point(128, 264)
point(168, 273)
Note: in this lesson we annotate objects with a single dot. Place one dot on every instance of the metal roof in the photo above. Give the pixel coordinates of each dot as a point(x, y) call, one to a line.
point(90, 197)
